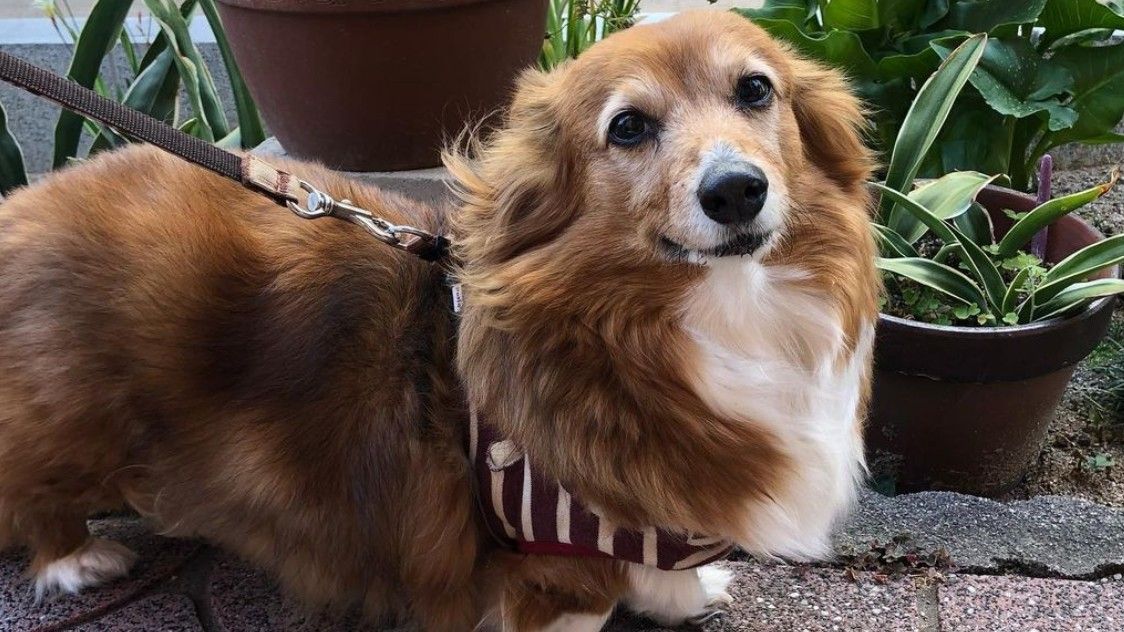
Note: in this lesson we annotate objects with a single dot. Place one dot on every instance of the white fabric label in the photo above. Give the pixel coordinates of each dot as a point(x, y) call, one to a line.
point(458, 298)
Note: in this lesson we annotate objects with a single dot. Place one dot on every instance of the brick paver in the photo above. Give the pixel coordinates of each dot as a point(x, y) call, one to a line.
point(159, 559)
point(771, 598)
point(162, 612)
point(180, 586)
point(1009, 604)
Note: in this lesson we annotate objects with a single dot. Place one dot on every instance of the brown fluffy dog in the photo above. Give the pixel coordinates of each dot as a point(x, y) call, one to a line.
point(669, 303)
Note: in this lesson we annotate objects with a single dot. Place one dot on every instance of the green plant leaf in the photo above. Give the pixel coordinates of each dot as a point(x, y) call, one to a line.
point(795, 11)
point(153, 92)
point(190, 76)
point(98, 37)
point(915, 66)
point(937, 276)
point(902, 16)
point(976, 224)
point(1077, 295)
point(985, 271)
point(129, 51)
point(160, 43)
point(233, 140)
point(250, 128)
point(194, 127)
point(1016, 81)
point(986, 16)
point(946, 198)
point(1011, 296)
point(554, 46)
point(842, 49)
point(926, 117)
point(935, 11)
point(952, 195)
point(1104, 139)
point(919, 213)
point(962, 147)
point(1088, 37)
point(888, 103)
point(13, 174)
point(1047, 214)
point(197, 80)
point(1098, 92)
point(923, 41)
point(851, 15)
point(1060, 18)
point(1079, 265)
point(892, 244)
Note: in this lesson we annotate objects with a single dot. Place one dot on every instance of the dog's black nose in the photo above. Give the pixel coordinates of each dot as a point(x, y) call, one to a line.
point(733, 195)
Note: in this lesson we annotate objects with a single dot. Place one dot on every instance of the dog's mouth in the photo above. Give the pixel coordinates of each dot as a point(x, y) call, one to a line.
point(741, 245)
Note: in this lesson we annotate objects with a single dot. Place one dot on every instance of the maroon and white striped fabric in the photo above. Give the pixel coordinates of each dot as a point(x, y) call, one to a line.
point(535, 515)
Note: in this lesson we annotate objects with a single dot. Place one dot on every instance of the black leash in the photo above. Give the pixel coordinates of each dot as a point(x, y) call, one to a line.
point(251, 171)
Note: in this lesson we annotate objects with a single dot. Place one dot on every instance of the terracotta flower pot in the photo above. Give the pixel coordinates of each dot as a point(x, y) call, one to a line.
point(966, 409)
point(372, 85)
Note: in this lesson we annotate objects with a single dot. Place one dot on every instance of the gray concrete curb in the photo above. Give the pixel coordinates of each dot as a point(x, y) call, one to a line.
point(1046, 536)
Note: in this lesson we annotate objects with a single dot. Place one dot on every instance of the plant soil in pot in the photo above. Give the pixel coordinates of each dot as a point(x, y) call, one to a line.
point(967, 408)
point(365, 85)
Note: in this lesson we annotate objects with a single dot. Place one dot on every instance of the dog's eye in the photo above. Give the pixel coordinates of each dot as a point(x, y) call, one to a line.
point(629, 128)
point(754, 91)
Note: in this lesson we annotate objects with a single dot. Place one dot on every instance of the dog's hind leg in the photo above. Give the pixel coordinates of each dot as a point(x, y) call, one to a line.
point(66, 559)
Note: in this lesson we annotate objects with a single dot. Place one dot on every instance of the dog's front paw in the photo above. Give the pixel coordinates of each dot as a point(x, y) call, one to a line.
point(97, 562)
point(675, 597)
point(714, 582)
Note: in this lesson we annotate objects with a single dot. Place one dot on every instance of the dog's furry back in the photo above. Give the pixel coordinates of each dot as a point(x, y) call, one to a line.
point(172, 340)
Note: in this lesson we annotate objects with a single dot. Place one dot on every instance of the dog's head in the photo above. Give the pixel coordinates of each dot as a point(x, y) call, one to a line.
point(592, 217)
point(680, 142)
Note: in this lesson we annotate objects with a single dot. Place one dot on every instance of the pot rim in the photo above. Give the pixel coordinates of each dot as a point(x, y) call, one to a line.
point(349, 6)
point(1027, 329)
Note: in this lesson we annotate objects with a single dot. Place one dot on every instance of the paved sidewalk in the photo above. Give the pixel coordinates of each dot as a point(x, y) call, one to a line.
point(182, 586)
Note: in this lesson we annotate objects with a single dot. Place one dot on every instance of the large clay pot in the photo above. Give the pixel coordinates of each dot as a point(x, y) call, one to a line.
point(966, 409)
point(375, 85)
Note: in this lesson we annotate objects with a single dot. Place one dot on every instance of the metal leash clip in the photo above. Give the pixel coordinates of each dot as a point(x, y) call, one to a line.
point(419, 242)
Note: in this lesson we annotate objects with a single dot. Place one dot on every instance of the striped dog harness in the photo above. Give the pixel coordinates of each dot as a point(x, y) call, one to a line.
point(532, 514)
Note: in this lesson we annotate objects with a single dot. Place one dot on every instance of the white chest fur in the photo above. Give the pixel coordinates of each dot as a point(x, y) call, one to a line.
point(768, 352)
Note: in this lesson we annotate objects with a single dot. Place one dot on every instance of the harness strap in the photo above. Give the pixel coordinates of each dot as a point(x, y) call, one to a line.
point(251, 171)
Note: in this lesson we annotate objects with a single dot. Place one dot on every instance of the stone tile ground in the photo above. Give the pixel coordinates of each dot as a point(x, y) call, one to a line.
point(984, 604)
point(184, 586)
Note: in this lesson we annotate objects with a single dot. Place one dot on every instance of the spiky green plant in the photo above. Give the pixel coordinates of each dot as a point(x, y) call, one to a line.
point(572, 26)
point(172, 65)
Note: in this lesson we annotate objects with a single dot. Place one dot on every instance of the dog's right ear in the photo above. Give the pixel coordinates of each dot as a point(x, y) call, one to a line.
point(831, 121)
point(513, 185)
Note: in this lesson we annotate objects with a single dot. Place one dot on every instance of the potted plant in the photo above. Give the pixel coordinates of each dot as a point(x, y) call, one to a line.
point(367, 86)
point(981, 326)
point(1052, 73)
